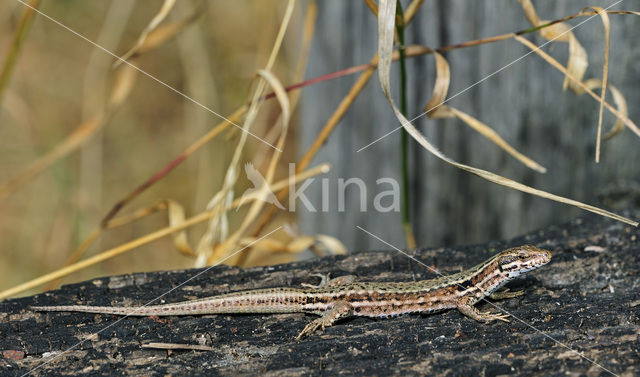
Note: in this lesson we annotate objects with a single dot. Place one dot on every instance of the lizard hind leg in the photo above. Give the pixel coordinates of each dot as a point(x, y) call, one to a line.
point(505, 293)
point(340, 309)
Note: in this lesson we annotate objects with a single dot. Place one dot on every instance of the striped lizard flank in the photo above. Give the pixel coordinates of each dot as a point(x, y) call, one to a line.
point(342, 297)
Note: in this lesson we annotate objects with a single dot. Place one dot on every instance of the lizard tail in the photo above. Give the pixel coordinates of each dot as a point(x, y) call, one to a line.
point(283, 300)
point(137, 311)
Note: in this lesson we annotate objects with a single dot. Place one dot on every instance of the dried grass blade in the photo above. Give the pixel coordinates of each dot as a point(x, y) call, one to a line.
point(324, 134)
point(412, 10)
point(221, 207)
point(561, 32)
point(124, 81)
point(301, 67)
point(296, 245)
point(557, 30)
point(19, 35)
point(577, 63)
point(621, 104)
point(175, 211)
point(332, 244)
point(125, 78)
point(256, 206)
point(294, 180)
point(372, 6)
point(305, 49)
point(434, 107)
point(618, 99)
point(175, 215)
point(549, 59)
point(605, 71)
point(105, 255)
point(167, 5)
point(268, 244)
point(492, 135)
point(76, 138)
point(174, 163)
point(165, 32)
point(386, 21)
point(108, 254)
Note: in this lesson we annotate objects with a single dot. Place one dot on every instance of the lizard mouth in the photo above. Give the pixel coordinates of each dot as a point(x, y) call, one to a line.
point(543, 257)
point(537, 258)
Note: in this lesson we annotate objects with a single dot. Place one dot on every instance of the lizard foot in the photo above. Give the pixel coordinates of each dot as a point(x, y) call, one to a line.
point(488, 317)
point(340, 309)
point(484, 317)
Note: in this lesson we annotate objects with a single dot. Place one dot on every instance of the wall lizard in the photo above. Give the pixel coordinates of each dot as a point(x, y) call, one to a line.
point(343, 297)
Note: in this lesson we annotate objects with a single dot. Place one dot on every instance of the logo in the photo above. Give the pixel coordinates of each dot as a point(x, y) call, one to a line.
point(260, 190)
point(343, 195)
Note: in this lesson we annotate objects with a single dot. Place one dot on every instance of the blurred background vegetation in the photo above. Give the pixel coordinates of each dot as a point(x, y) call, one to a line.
point(211, 50)
point(60, 80)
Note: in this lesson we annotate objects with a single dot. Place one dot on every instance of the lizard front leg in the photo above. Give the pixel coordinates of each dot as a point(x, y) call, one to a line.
point(340, 309)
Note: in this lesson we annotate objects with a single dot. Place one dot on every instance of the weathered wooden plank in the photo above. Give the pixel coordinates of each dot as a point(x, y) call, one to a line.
point(524, 103)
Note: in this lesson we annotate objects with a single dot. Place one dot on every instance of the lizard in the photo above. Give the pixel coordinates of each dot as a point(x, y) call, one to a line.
point(343, 297)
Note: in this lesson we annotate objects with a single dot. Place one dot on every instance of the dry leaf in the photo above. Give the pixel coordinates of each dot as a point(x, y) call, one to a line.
point(490, 134)
point(123, 83)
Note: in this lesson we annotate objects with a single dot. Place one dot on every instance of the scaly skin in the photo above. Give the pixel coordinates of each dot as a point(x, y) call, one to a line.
point(342, 297)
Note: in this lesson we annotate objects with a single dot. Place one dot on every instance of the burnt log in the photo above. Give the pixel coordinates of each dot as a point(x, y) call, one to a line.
point(579, 315)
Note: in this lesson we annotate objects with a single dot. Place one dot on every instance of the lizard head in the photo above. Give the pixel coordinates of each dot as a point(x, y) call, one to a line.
point(518, 260)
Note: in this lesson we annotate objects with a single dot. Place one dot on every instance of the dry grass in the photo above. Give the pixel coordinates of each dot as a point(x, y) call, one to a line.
point(102, 156)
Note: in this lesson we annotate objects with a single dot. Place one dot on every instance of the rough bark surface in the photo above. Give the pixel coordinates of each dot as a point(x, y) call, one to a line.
point(586, 300)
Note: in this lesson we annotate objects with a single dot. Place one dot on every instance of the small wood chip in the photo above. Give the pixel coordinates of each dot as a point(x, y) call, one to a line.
point(177, 346)
point(13, 354)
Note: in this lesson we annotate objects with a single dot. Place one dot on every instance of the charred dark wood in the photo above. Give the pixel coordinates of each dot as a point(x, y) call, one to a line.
point(586, 300)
